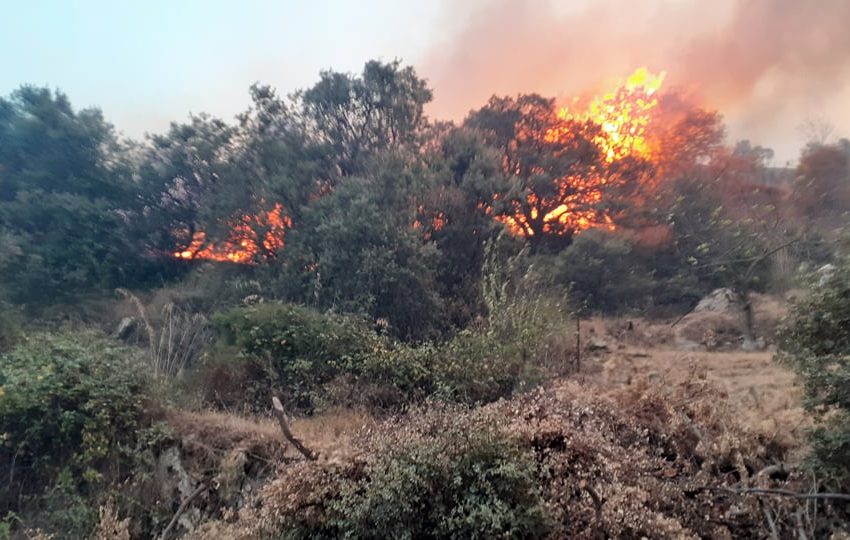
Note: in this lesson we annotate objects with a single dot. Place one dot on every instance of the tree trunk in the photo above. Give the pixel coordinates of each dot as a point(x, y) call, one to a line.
point(749, 316)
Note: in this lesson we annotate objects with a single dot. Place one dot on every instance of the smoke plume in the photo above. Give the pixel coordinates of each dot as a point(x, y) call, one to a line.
point(767, 65)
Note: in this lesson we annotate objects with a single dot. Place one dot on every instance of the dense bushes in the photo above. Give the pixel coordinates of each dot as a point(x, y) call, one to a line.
point(356, 252)
point(294, 350)
point(815, 341)
point(638, 463)
point(438, 474)
point(72, 407)
point(9, 327)
point(441, 479)
point(320, 359)
point(604, 272)
point(66, 196)
point(696, 244)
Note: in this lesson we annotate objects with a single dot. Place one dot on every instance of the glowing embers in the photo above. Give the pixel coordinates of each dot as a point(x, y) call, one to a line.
point(251, 238)
point(576, 213)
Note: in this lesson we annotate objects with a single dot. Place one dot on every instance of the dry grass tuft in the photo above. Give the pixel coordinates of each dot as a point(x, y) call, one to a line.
point(109, 527)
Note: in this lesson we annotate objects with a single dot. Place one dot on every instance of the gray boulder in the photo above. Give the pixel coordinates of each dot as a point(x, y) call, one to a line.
point(719, 301)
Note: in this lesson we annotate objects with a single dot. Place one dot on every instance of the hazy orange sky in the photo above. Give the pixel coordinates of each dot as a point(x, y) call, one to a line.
point(770, 66)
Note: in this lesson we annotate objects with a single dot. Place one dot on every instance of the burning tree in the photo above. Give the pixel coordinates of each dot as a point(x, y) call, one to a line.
point(571, 169)
point(555, 171)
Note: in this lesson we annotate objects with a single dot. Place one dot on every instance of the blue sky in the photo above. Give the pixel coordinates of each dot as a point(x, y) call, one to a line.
point(146, 63)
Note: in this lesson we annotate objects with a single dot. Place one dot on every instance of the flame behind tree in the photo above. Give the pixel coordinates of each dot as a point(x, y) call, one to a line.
point(574, 167)
point(568, 168)
point(562, 162)
point(623, 116)
point(251, 237)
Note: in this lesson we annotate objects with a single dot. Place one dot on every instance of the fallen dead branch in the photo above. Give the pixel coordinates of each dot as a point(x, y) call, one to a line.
point(182, 508)
point(597, 500)
point(280, 414)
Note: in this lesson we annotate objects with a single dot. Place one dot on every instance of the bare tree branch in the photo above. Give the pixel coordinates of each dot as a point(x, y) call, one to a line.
point(280, 414)
point(182, 508)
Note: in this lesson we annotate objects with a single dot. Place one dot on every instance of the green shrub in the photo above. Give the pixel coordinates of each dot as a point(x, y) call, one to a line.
point(10, 329)
point(603, 272)
point(442, 475)
point(610, 272)
point(815, 341)
point(523, 337)
point(516, 348)
point(296, 350)
point(71, 408)
point(321, 359)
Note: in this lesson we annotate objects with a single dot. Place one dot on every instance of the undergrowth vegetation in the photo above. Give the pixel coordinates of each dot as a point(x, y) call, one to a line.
point(815, 342)
point(74, 410)
point(637, 463)
point(317, 361)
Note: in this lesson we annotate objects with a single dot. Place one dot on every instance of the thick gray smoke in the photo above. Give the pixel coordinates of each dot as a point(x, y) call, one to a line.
point(768, 65)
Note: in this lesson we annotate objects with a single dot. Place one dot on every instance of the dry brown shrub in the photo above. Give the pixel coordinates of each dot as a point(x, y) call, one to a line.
point(639, 462)
point(109, 527)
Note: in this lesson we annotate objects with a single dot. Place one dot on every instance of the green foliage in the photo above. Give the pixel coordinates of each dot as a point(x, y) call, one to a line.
point(712, 245)
point(322, 359)
point(443, 477)
point(359, 116)
point(71, 407)
point(64, 198)
point(520, 338)
point(604, 271)
point(296, 350)
point(454, 216)
point(178, 171)
point(10, 328)
point(357, 252)
point(815, 341)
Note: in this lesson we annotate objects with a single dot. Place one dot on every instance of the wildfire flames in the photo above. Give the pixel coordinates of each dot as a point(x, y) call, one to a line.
point(623, 116)
point(250, 237)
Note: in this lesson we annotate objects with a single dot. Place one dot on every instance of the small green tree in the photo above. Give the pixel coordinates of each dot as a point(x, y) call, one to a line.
point(357, 116)
point(814, 340)
point(454, 214)
point(357, 251)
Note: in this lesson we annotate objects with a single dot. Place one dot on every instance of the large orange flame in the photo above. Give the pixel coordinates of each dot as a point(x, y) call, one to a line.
point(624, 117)
point(250, 237)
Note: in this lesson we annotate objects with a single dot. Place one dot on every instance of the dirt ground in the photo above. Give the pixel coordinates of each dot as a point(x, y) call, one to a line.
point(765, 394)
